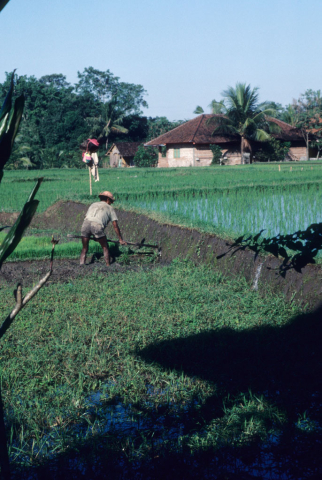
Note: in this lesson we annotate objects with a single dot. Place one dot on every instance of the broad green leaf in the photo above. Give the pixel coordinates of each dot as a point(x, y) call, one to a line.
point(16, 232)
point(6, 107)
point(7, 138)
point(3, 3)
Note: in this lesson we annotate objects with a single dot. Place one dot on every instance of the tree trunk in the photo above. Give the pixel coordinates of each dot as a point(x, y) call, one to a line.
point(307, 147)
point(242, 150)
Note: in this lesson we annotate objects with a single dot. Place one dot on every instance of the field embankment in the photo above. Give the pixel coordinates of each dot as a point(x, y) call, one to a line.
point(300, 282)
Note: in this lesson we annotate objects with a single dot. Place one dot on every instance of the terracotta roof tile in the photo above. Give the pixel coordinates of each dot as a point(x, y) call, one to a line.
point(199, 131)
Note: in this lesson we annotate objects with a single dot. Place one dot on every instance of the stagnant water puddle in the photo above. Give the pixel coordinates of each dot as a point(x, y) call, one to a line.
point(150, 430)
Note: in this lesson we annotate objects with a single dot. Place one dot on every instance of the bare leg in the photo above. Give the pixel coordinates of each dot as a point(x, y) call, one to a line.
point(103, 242)
point(85, 242)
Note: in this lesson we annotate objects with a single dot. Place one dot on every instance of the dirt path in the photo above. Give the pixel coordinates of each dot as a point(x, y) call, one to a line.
point(65, 270)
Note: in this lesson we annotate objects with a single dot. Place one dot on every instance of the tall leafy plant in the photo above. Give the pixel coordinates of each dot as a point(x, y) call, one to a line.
point(10, 117)
point(241, 115)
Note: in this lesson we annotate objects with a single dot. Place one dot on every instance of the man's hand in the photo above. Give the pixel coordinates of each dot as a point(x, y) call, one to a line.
point(118, 233)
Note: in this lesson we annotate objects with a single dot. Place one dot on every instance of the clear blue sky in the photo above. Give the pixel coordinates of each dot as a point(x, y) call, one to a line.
point(184, 53)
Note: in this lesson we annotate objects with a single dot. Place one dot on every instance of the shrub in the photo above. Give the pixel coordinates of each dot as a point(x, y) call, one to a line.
point(216, 154)
point(272, 151)
point(145, 157)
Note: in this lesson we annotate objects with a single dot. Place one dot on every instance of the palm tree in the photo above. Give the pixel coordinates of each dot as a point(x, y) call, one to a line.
point(113, 119)
point(109, 121)
point(216, 107)
point(242, 115)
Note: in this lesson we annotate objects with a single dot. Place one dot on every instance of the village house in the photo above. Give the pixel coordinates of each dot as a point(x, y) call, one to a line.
point(122, 153)
point(188, 144)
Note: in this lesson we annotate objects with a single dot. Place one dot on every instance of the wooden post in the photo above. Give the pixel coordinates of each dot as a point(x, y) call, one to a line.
point(90, 181)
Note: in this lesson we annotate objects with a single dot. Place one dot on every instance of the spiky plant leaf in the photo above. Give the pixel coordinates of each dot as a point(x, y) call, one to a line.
point(3, 3)
point(14, 235)
point(6, 107)
point(10, 131)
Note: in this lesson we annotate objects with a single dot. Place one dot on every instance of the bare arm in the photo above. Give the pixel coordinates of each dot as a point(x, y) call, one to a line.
point(118, 232)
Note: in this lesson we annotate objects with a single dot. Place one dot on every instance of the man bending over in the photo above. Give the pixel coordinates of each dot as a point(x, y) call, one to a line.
point(97, 218)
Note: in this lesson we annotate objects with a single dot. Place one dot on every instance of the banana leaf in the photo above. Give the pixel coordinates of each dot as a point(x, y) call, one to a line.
point(8, 131)
point(6, 107)
point(16, 232)
point(3, 3)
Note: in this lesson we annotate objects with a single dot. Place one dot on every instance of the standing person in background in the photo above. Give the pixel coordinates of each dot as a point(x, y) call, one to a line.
point(97, 218)
point(90, 157)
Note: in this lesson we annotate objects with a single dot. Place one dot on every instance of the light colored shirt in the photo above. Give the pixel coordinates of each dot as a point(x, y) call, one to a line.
point(102, 213)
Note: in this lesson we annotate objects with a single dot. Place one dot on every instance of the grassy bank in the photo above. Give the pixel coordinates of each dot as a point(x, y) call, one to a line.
point(34, 247)
point(150, 366)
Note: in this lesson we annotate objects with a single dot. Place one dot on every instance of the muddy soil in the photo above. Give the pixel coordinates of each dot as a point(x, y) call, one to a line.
point(262, 272)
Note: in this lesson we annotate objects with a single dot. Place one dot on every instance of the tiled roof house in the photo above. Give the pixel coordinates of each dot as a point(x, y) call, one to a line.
point(122, 153)
point(188, 144)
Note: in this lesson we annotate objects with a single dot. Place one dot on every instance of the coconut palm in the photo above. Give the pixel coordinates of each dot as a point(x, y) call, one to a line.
point(109, 121)
point(242, 115)
point(216, 107)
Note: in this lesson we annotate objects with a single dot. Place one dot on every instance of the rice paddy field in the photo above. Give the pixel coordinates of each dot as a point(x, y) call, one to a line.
point(150, 371)
point(231, 201)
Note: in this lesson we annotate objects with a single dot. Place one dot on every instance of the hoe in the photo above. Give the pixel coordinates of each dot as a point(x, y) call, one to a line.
point(140, 245)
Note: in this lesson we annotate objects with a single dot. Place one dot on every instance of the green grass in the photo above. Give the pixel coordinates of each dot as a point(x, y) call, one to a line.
point(168, 347)
point(32, 248)
point(133, 184)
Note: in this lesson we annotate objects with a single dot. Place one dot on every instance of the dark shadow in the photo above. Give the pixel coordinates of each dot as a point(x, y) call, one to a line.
point(114, 253)
point(304, 243)
point(284, 364)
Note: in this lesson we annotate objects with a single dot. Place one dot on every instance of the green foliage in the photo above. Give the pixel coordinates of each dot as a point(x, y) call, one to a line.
point(160, 125)
point(15, 233)
point(243, 116)
point(9, 123)
point(71, 367)
point(216, 154)
point(58, 117)
point(273, 151)
point(146, 157)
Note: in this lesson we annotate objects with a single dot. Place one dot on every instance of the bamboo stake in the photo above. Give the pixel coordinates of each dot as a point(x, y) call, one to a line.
point(90, 181)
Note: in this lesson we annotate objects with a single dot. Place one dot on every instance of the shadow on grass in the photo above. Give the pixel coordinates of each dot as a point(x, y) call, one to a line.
point(304, 243)
point(114, 250)
point(283, 364)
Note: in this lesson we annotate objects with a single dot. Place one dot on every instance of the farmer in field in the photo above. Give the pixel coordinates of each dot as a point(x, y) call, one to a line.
point(97, 218)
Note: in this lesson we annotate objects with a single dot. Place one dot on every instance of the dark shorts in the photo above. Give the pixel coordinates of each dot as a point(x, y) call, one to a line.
point(92, 229)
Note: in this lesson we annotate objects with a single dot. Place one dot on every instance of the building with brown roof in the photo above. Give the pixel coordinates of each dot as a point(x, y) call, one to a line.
point(188, 144)
point(122, 153)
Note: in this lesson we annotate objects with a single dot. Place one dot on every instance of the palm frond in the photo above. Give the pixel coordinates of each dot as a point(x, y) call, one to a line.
point(261, 135)
point(198, 110)
point(119, 129)
point(217, 107)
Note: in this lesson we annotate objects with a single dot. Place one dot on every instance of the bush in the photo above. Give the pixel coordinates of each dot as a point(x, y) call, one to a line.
point(216, 154)
point(272, 151)
point(146, 157)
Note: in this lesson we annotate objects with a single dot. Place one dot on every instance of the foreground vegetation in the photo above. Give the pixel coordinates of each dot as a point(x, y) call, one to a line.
point(149, 365)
